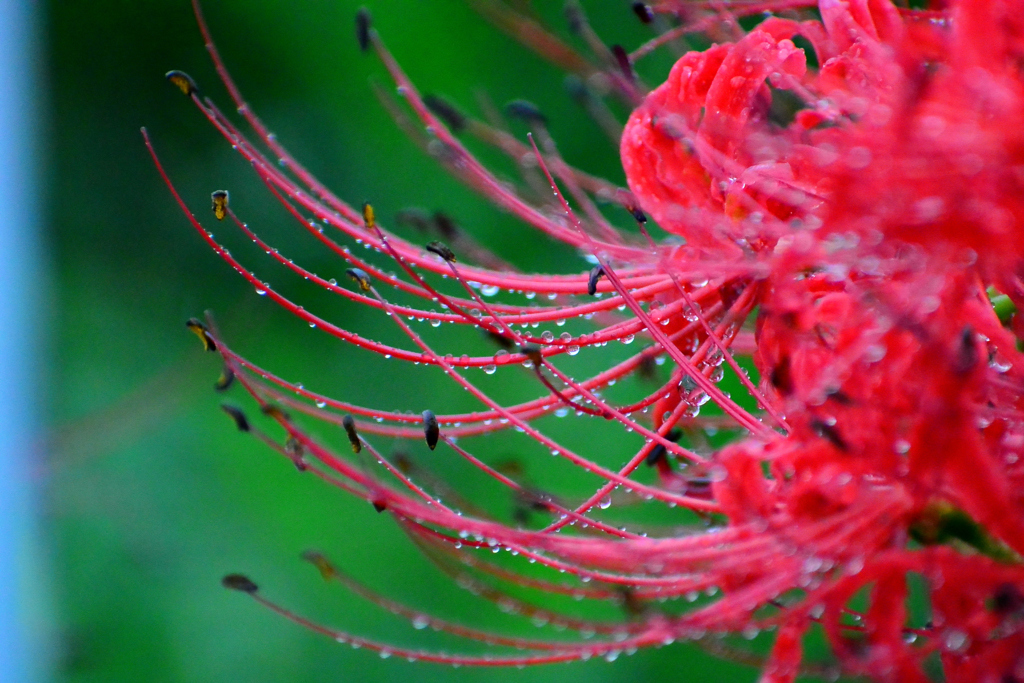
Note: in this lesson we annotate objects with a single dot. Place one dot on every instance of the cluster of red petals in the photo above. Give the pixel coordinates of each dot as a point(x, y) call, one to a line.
point(897, 194)
point(853, 175)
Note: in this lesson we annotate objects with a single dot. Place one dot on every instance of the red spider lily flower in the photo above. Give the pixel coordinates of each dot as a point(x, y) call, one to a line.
point(864, 195)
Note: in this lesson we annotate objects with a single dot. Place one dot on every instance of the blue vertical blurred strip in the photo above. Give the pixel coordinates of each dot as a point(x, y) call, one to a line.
point(21, 647)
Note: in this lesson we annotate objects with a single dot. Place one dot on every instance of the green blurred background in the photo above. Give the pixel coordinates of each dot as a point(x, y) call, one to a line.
point(150, 494)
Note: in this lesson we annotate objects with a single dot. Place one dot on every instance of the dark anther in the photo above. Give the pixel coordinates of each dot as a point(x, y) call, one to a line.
point(368, 216)
point(239, 582)
point(647, 369)
point(781, 376)
point(643, 12)
point(293, 447)
point(574, 17)
point(183, 82)
point(631, 605)
point(353, 436)
point(363, 21)
point(829, 433)
point(402, 462)
point(596, 273)
point(655, 455)
point(659, 452)
point(238, 416)
point(529, 500)
point(442, 250)
point(839, 396)
point(638, 215)
point(360, 277)
point(577, 90)
point(534, 354)
point(380, 505)
point(622, 59)
point(521, 515)
point(226, 379)
point(417, 218)
point(1007, 599)
point(526, 111)
point(204, 334)
point(445, 226)
point(499, 339)
point(438, 223)
point(446, 111)
point(967, 353)
point(220, 204)
point(430, 428)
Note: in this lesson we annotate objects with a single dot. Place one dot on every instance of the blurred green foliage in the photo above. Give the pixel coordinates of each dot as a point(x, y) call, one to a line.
point(152, 495)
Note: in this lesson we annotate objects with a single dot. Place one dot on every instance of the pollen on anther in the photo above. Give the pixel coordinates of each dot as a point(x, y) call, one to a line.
point(353, 436)
point(442, 250)
point(220, 204)
point(360, 277)
point(200, 331)
point(182, 81)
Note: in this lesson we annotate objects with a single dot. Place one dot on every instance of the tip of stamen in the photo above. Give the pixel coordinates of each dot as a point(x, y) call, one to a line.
point(430, 429)
point(353, 436)
point(643, 12)
point(271, 410)
point(200, 331)
point(239, 582)
point(526, 111)
point(182, 81)
point(442, 250)
point(318, 560)
point(361, 277)
point(446, 111)
point(236, 414)
point(226, 379)
point(638, 214)
point(220, 204)
point(596, 274)
point(363, 23)
point(622, 58)
point(533, 353)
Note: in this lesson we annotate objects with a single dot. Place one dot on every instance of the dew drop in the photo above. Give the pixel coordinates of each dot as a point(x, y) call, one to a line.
point(956, 640)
